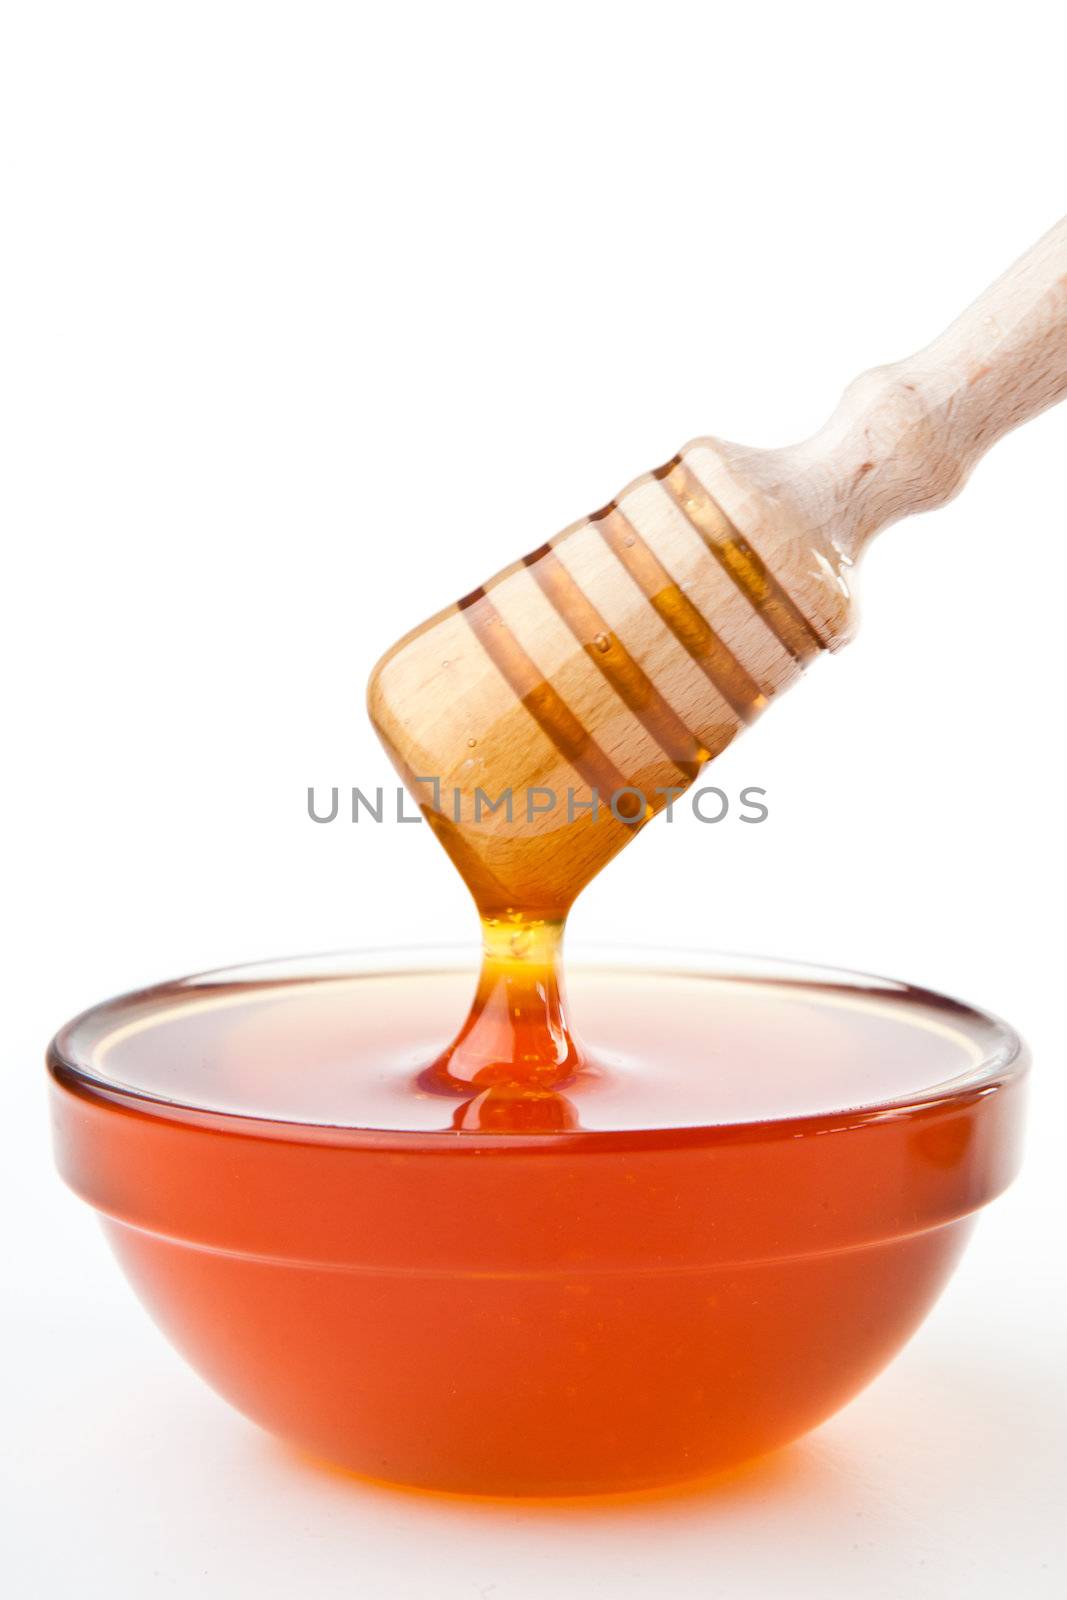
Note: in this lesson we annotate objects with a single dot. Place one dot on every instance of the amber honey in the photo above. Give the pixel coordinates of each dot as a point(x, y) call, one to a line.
point(713, 1230)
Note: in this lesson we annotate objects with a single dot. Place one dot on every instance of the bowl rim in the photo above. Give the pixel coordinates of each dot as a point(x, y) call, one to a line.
point(1005, 1059)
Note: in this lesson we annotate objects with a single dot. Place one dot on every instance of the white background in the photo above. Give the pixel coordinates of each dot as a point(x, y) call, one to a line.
point(315, 315)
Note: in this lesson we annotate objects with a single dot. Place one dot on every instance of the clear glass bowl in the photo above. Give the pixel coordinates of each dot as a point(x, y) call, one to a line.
point(725, 1233)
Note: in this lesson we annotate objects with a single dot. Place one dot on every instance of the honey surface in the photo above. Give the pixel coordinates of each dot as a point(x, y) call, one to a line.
point(665, 1049)
point(652, 1276)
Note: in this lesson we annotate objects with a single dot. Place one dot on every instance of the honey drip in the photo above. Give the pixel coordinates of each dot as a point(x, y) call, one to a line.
point(588, 668)
point(515, 1053)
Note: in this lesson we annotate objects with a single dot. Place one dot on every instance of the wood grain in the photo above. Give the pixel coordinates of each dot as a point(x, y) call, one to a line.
point(638, 642)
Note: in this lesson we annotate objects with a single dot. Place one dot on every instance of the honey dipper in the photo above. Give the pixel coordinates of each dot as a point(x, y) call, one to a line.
point(591, 680)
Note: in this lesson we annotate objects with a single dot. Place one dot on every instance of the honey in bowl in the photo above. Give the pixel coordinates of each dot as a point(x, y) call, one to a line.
point(698, 1247)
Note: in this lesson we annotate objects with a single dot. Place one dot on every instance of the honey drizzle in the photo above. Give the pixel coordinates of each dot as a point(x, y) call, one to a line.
point(515, 1051)
point(515, 1054)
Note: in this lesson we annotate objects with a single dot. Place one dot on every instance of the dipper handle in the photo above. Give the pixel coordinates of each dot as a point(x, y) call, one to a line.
point(905, 437)
point(590, 681)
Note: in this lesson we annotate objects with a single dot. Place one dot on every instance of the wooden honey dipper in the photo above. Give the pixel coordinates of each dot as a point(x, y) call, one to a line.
point(627, 652)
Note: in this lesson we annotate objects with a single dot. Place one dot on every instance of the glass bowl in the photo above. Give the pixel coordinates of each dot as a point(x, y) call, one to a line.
point(702, 1252)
